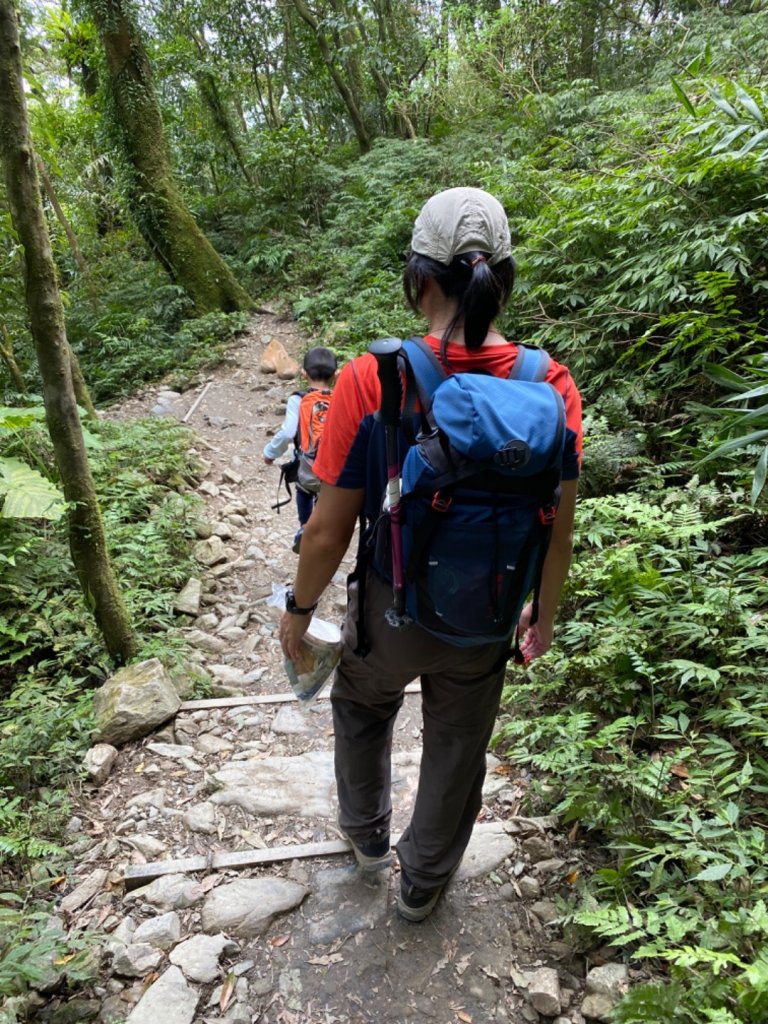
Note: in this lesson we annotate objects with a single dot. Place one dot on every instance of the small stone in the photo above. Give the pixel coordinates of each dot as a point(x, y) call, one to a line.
point(530, 888)
point(201, 818)
point(231, 477)
point(210, 552)
point(99, 761)
point(210, 744)
point(162, 931)
point(136, 960)
point(172, 750)
point(545, 911)
point(169, 892)
point(147, 845)
point(169, 1000)
point(538, 848)
point(597, 1006)
point(609, 979)
point(84, 892)
point(198, 957)
point(188, 601)
point(544, 991)
point(209, 488)
point(552, 866)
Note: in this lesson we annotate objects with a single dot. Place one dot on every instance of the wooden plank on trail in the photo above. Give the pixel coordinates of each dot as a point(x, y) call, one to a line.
point(261, 698)
point(142, 874)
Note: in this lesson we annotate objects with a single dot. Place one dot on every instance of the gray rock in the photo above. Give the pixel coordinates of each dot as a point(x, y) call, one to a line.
point(188, 601)
point(538, 848)
point(169, 892)
point(147, 845)
point(210, 551)
point(209, 488)
point(122, 935)
point(545, 911)
point(198, 957)
point(228, 674)
point(149, 798)
point(99, 761)
point(246, 906)
point(289, 721)
point(598, 1006)
point(172, 750)
point(84, 892)
point(530, 888)
point(230, 477)
point(206, 642)
point(552, 866)
point(136, 960)
point(169, 1000)
point(348, 901)
point(201, 818)
point(488, 848)
point(162, 931)
point(133, 702)
point(544, 991)
point(609, 980)
point(210, 744)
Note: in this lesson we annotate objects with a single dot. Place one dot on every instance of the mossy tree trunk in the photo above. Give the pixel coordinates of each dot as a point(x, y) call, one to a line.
point(86, 530)
point(158, 207)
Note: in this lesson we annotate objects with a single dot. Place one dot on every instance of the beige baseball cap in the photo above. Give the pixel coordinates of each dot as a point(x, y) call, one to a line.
point(462, 220)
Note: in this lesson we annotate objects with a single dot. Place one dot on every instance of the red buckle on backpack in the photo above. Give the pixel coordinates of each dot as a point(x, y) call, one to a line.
point(439, 503)
point(548, 515)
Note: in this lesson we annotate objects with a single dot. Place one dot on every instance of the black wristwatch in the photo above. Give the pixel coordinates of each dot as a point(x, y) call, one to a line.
point(293, 608)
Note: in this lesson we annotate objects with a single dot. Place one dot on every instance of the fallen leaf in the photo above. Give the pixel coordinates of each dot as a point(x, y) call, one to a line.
point(464, 1017)
point(61, 961)
point(209, 882)
point(572, 876)
point(680, 771)
point(139, 768)
point(227, 991)
point(326, 961)
point(279, 940)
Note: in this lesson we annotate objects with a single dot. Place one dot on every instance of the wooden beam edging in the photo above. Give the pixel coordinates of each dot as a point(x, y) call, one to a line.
point(142, 874)
point(261, 698)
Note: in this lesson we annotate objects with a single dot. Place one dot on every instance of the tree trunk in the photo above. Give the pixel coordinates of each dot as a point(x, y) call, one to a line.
point(156, 203)
point(67, 228)
point(361, 131)
point(6, 354)
point(86, 530)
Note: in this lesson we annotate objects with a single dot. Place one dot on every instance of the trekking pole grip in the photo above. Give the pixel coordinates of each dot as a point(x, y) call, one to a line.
point(385, 351)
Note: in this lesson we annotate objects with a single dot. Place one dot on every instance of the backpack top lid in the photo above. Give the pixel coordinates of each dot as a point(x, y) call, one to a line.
point(512, 425)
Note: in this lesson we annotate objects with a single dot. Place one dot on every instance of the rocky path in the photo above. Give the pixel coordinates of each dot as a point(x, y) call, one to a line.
point(300, 940)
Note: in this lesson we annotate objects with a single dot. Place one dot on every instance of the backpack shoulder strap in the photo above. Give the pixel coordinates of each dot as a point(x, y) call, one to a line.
point(422, 370)
point(531, 364)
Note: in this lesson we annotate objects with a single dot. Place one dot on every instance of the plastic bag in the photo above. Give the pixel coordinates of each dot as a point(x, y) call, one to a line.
point(319, 656)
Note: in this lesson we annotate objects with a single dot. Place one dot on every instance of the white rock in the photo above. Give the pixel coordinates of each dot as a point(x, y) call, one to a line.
point(609, 980)
point(99, 761)
point(210, 744)
point(544, 991)
point(201, 818)
point(210, 551)
point(188, 601)
point(135, 960)
point(170, 1001)
point(85, 891)
point(147, 845)
point(162, 931)
point(247, 906)
point(198, 957)
point(172, 750)
point(169, 892)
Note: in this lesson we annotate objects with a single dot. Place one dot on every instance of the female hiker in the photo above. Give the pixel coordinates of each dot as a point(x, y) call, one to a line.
point(459, 276)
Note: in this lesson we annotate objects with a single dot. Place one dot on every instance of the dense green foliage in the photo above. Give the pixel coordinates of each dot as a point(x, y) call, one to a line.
point(629, 145)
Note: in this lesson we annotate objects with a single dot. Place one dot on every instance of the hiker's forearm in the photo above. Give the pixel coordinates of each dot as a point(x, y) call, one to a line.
point(325, 541)
point(558, 559)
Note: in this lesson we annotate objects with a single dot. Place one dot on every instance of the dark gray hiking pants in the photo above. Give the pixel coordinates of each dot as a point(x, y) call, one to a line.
point(461, 688)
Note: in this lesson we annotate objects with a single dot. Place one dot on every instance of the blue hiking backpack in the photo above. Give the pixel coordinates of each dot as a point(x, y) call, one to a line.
point(479, 493)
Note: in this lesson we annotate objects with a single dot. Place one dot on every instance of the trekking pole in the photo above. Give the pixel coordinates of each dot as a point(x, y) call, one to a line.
point(385, 351)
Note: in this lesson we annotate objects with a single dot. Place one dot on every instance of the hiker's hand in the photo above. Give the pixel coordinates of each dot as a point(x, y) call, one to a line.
point(291, 633)
point(537, 639)
point(269, 462)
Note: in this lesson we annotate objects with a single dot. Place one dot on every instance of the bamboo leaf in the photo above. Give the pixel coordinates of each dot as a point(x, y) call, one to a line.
point(683, 97)
point(749, 104)
point(714, 873)
point(761, 472)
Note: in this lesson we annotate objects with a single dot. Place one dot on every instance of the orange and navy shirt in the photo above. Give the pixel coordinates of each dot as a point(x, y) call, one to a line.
point(352, 453)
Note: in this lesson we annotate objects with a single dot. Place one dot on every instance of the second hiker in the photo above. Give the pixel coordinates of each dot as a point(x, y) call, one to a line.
point(302, 426)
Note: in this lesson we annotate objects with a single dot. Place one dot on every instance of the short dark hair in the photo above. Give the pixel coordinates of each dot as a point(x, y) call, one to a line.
point(320, 363)
point(482, 290)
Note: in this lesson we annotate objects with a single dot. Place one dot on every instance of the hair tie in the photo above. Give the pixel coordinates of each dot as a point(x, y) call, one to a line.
point(478, 259)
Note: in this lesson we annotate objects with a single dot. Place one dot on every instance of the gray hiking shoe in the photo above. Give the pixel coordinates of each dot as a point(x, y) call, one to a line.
point(414, 904)
point(374, 855)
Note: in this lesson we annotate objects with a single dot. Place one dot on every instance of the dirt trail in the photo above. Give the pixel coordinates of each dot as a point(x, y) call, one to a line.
point(338, 952)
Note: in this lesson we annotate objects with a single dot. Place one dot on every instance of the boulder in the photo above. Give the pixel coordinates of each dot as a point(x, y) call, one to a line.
point(133, 702)
point(275, 359)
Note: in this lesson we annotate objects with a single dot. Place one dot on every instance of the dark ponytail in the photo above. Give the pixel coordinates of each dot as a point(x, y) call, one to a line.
point(482, 291)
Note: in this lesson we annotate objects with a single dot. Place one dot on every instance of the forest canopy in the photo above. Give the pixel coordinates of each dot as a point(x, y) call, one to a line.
point(196, 160)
